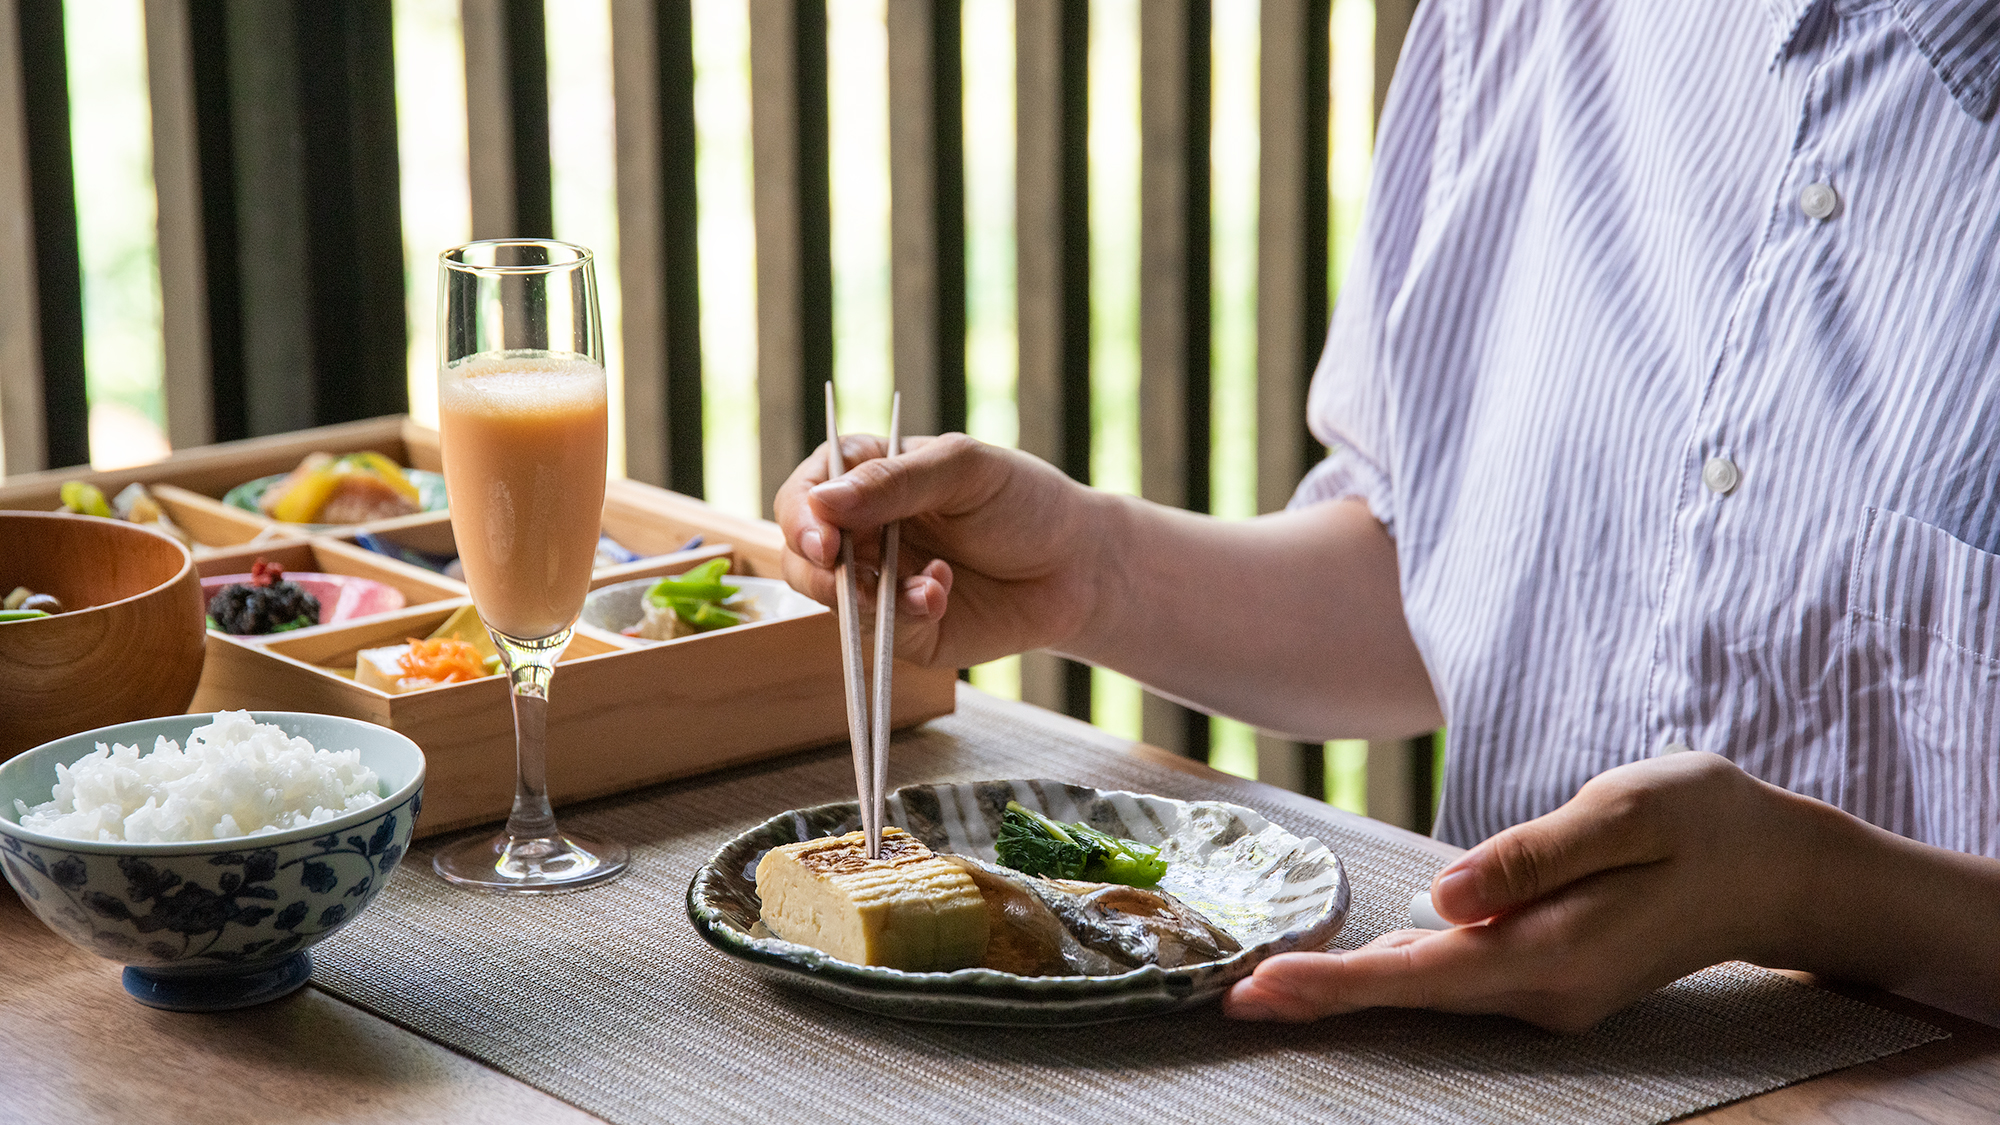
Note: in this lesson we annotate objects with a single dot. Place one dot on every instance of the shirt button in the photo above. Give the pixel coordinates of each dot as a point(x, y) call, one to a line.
point(1818, 201)
point(1675, 748)
point(1721, 475)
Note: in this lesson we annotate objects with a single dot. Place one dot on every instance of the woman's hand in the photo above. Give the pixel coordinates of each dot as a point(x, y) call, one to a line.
point(1003, 540)
point(1654, 870)
point(1002, 553)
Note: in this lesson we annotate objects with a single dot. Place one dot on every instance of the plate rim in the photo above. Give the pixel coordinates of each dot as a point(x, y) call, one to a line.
point(991, 987)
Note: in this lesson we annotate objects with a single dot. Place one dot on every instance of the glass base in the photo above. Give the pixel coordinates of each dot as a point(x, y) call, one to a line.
point(531, 865)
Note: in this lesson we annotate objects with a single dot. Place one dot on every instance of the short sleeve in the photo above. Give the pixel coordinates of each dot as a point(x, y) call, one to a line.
point(1348, 406)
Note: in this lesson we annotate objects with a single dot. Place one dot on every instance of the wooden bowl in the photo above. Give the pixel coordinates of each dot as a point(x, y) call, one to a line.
point(130, 644)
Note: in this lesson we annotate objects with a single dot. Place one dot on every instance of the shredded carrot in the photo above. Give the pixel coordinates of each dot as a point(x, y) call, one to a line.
point(442, 660)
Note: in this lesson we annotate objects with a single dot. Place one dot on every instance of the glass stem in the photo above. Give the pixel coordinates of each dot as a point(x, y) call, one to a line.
point(530, 666)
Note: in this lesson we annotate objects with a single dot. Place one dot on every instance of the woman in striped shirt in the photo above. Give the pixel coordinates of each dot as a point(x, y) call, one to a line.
point(1664, 401)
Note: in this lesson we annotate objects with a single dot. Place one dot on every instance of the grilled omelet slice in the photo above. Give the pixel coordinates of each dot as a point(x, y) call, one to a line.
point(906, 910)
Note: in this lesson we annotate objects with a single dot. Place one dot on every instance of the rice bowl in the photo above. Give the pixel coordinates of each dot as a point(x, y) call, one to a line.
point(208, 925)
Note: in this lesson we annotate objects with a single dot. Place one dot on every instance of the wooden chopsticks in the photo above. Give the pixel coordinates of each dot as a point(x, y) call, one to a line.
point(870, 739)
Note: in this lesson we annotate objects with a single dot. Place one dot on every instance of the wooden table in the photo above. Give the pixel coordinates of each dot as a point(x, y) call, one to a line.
point(75, 1048)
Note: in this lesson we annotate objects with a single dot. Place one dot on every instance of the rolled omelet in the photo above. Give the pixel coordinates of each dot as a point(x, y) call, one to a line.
point(906, 910)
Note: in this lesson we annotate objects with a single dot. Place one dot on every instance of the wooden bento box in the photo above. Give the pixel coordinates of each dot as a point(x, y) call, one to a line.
point(623, 713)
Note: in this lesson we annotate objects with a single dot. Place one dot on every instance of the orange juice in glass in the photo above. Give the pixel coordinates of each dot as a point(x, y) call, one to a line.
point(522, 421)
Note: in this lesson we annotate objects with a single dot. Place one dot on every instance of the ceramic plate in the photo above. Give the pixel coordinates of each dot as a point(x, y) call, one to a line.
point(1270, 889)
point(621, 604)
point(430, 492)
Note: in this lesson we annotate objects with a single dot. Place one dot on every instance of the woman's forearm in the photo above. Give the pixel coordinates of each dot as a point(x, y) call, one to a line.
point(1292, 622)
point(1920, 920)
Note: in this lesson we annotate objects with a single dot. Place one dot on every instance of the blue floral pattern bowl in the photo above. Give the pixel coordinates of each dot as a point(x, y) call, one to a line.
point(214, 924)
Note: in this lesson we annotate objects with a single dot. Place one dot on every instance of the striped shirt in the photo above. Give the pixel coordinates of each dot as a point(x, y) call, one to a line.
point(1670, 357)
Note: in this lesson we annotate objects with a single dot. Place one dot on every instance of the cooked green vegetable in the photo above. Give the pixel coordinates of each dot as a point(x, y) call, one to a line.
point(696, 596)
point(7, 615)
point(1035, 845)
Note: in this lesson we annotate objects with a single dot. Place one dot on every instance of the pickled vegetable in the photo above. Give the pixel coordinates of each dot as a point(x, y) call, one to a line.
point(442, 660)
point(265, 604)
point(86, 499)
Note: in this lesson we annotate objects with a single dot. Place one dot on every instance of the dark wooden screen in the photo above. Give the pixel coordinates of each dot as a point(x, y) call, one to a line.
point(280, 217)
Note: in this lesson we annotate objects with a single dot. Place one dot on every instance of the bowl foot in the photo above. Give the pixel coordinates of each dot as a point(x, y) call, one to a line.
point(218, 992)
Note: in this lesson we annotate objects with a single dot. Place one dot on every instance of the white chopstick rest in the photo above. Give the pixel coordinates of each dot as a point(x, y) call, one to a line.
point(1424, 916)
point(870, 741)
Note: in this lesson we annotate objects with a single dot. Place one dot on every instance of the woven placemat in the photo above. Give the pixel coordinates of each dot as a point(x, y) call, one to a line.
point(610, 1001)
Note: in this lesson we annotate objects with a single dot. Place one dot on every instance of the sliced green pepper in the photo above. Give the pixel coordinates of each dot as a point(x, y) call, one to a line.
point(703, 583)
point(704, 615)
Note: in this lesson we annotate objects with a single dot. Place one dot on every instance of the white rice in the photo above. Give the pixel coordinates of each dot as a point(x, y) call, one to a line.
point(237, 777)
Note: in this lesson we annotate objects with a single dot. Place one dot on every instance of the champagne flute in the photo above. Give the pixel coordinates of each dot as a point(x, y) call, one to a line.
point(521, 423)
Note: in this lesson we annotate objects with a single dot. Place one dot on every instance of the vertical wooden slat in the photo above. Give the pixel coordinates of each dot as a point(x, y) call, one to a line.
point(1174, 310)
point(1052, 208)
point(1424, 751)
point(1392, 23)
point(170, 62)
point(355, 219)
point(652, 60)
point(507, 118)
point(788, 142)
point(1294, 99)
point(1292, 299)
point(213, 294)
point(21, 440)
point(270, 190)
point(1400, 783)
point(58, 257)
point(42, 394)
point(927, 213)
point(1401, 789)
point(1389, 795)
